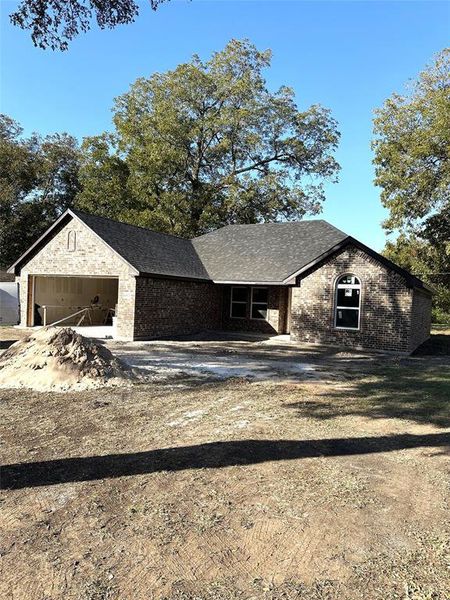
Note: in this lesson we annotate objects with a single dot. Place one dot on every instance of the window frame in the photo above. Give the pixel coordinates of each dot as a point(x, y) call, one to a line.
point(238, 287)
point(353, 286)
point(259, 287)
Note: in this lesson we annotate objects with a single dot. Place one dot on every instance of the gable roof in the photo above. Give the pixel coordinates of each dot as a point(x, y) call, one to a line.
point(150, 252)
point(266, 253)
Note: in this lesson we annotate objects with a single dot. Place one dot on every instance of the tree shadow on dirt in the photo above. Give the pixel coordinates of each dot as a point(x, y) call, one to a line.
point(415, 393)
point(204, 456)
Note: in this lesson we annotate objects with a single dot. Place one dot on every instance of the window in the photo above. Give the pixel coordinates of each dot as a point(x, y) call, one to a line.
point(239, 301)
point(348, 302)
point(71, 241)
point(259, 303)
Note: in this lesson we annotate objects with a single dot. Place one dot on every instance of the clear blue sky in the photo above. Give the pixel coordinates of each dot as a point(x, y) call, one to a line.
point(348, 56)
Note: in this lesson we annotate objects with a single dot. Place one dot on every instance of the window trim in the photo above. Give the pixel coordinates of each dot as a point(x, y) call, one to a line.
point(353, 286)
point(239, 287)
point(259, 287)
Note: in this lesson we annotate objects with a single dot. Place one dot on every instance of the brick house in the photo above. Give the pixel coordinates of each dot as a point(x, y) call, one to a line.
point(308, 279)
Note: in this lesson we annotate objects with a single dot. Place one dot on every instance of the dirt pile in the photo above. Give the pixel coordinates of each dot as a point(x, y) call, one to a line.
point(61, 359)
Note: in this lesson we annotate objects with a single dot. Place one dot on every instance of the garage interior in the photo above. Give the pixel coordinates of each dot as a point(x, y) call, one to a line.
point(79, 301)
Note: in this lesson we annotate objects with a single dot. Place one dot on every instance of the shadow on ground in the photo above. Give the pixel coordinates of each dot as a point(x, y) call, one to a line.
point(414, 392)
point(204, 456)
point(437, 345)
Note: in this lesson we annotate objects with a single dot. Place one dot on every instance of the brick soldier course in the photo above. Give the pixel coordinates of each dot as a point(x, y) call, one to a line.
point(170, 286)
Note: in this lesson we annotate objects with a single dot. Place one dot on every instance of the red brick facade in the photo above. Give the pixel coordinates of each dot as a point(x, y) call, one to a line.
point(165, 307)
point(420, 319)
point(276, 312)
point(393, 316)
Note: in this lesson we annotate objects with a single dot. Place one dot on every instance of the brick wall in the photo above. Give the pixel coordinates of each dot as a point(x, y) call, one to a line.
point(91, 257)
point(167, 307)
point(420, 319)
point(386, 305)
point(276, 317)
point(393, 317)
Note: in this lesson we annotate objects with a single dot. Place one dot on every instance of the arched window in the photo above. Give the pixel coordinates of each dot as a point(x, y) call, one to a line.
point(347, 302)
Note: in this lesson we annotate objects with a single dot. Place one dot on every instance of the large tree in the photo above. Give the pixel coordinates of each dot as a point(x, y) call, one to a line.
point(208, 144)
point(38, 180)
point(412, 161)
point(55, 23)
point(412, 148)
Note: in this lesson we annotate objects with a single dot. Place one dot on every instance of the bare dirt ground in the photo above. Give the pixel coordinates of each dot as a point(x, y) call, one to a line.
point(59, 359)
point(331, 486)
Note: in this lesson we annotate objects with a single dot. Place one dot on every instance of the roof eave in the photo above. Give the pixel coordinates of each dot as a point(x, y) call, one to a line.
point(67, 212)
point(178, 277)
point(240, 282)
point(411, 280)
point(74, 215)
point(293, 276)
point(12, 268)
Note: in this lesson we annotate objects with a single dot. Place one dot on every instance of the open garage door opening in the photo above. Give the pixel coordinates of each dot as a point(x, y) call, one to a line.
point(73, 301)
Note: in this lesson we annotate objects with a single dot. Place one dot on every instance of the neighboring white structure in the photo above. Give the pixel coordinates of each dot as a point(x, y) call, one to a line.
point(9, 303)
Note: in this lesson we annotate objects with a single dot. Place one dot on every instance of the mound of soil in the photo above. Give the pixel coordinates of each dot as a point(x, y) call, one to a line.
point(61, 359)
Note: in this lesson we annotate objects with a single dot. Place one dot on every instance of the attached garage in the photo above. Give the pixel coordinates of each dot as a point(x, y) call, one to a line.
point(72, 270)
point(87, 301)
point(307, 278)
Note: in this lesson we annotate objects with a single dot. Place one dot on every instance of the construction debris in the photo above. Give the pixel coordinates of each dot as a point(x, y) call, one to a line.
point(59, 359)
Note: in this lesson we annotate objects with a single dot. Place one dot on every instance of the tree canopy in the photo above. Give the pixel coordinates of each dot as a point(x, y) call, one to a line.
point(412, 148)
point(207, 144)
point(55, 23)
point(38, 180)
point(412, 162)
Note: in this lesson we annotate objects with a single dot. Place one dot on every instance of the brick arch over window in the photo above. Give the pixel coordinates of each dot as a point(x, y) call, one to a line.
point(347, 302)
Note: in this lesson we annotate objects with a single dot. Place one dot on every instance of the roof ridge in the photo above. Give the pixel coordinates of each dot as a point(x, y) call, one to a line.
point(77, 210)
point(299, 222)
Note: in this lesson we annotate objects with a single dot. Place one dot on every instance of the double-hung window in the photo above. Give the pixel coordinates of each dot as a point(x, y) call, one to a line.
point(258, 309)
point(239, 301)
point(347, 302)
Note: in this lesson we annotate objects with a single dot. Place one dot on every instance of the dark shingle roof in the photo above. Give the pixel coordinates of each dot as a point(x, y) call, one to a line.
point(264, 252)
point(146, 250)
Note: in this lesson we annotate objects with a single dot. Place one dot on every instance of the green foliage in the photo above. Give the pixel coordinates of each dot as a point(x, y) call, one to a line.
point(412, 148)
point(430, 261)
point(54, 23)
point(412, 162)
point(439, 316)
point(38, 180)
point(104, 179)
point(207, 145)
